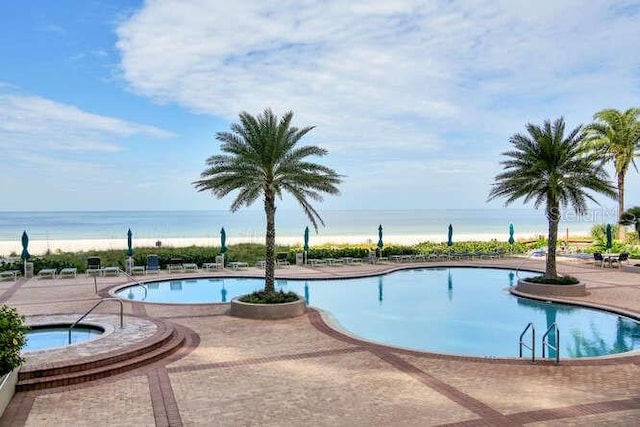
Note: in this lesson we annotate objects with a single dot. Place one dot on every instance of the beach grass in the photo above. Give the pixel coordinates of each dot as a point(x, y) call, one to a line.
point(250, 253)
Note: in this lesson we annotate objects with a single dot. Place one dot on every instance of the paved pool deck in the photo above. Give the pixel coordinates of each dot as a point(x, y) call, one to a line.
point(300, 372)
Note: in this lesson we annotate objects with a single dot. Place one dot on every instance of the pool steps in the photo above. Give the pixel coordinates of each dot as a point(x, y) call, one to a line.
point(168, 339)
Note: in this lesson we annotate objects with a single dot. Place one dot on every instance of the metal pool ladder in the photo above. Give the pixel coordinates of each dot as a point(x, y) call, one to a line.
point(92, 308)
point(533, 341)
point(545, 342)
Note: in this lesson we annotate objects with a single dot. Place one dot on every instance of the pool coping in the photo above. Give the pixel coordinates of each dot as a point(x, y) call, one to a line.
point(324, 323)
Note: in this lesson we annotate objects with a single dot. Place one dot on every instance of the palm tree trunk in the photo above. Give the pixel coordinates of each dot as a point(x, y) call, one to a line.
point(553, 215)
point(621, 229)
point(270, 242)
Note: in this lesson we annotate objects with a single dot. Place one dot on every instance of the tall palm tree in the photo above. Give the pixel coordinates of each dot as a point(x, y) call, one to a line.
point(262, 160)
point(632, 217)
point(549, 168)
point(615, 136)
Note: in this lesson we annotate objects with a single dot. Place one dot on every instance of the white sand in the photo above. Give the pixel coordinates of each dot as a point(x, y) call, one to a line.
point(39, 247)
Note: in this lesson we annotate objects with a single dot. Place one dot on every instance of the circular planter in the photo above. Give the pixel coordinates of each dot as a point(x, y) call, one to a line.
point(268, 311)
point(577, 290)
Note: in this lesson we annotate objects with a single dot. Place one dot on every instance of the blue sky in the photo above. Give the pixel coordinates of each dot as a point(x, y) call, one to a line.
point(115, 104)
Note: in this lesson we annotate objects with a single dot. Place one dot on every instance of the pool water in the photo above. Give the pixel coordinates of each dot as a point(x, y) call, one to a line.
point(45, 337)
point(466, 311)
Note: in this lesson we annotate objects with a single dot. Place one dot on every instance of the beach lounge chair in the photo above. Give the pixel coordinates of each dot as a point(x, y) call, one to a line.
point(281, 259)
point(68, 272)
point(190, 266)
point(175, 264)
point(94, 266)
point(9, 274)
point(153, 264)
point(219, 263)
point(138, 269)
point(110, 271)
point(47, 272)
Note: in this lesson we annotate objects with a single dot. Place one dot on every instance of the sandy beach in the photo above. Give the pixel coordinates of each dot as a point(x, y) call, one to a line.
point(39, 247)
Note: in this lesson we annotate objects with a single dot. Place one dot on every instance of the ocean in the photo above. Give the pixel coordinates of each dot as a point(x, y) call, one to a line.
point(250, 224)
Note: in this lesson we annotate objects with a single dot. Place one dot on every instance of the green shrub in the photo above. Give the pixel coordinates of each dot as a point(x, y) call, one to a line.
point(563, 280)
point(262, 297)
point(12, 338)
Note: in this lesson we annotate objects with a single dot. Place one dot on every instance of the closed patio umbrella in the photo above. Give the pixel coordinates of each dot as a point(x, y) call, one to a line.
point(450, 236)
point(129, 243)
point(25, 253)
point(380, 243)
point(129, 260)
point(609, 242)
point(511, 231)
point(306, 244)
point(223, 241)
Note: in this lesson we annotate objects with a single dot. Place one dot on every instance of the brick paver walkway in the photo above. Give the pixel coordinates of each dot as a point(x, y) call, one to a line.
point(299, 372)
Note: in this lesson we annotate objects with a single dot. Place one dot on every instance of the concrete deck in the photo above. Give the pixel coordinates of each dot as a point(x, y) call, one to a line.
point(238, 372)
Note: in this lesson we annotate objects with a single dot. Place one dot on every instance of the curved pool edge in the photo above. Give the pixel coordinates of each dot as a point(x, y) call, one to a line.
point(326, 323)
point(340, 333)
point(60, 321)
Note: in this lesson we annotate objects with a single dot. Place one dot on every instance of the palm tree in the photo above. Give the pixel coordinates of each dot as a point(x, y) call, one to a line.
point(549, 168)
point(615, 136)
point(632, 217)
point(262, 160)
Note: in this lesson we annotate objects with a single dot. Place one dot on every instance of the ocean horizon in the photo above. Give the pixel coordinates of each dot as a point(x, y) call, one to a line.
point(250, 224)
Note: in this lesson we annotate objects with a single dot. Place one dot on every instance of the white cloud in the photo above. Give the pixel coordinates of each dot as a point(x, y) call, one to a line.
point(31, 124)
point(376, 72)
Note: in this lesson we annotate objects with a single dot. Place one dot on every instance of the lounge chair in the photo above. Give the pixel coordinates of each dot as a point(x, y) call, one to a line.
point(281, 259)
point(175, 264)
point(47, 272)
point(68, 272)
point(110, 271)
point(153, 264)
point(94, 266)
point(190, 266)
point(9, 274)
point(219, 263)
point(138, 269)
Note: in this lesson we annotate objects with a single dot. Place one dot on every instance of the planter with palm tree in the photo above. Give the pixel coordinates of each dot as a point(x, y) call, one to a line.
point(553, 170)
point(615, 137)
point(262, 159)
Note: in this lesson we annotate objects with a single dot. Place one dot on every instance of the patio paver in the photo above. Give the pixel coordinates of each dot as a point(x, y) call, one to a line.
point(302, 372)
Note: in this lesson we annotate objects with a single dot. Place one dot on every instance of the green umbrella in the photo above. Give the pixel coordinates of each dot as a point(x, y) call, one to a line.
point(25, 244)
point(511, 239)
point(223, 241)
point(450, 236)
point(129, 243)
point(609, 243)
point(306, 244)
point(25, 253)
point(380, 244)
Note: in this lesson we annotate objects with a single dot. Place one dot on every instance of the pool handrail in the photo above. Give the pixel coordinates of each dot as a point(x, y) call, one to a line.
point(546, 344)
point(130, 277)
point(93, 308)
point(533, 341)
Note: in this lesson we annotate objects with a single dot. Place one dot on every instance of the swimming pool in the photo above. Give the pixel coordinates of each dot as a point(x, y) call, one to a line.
point(459, 310)
point(43, 337)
